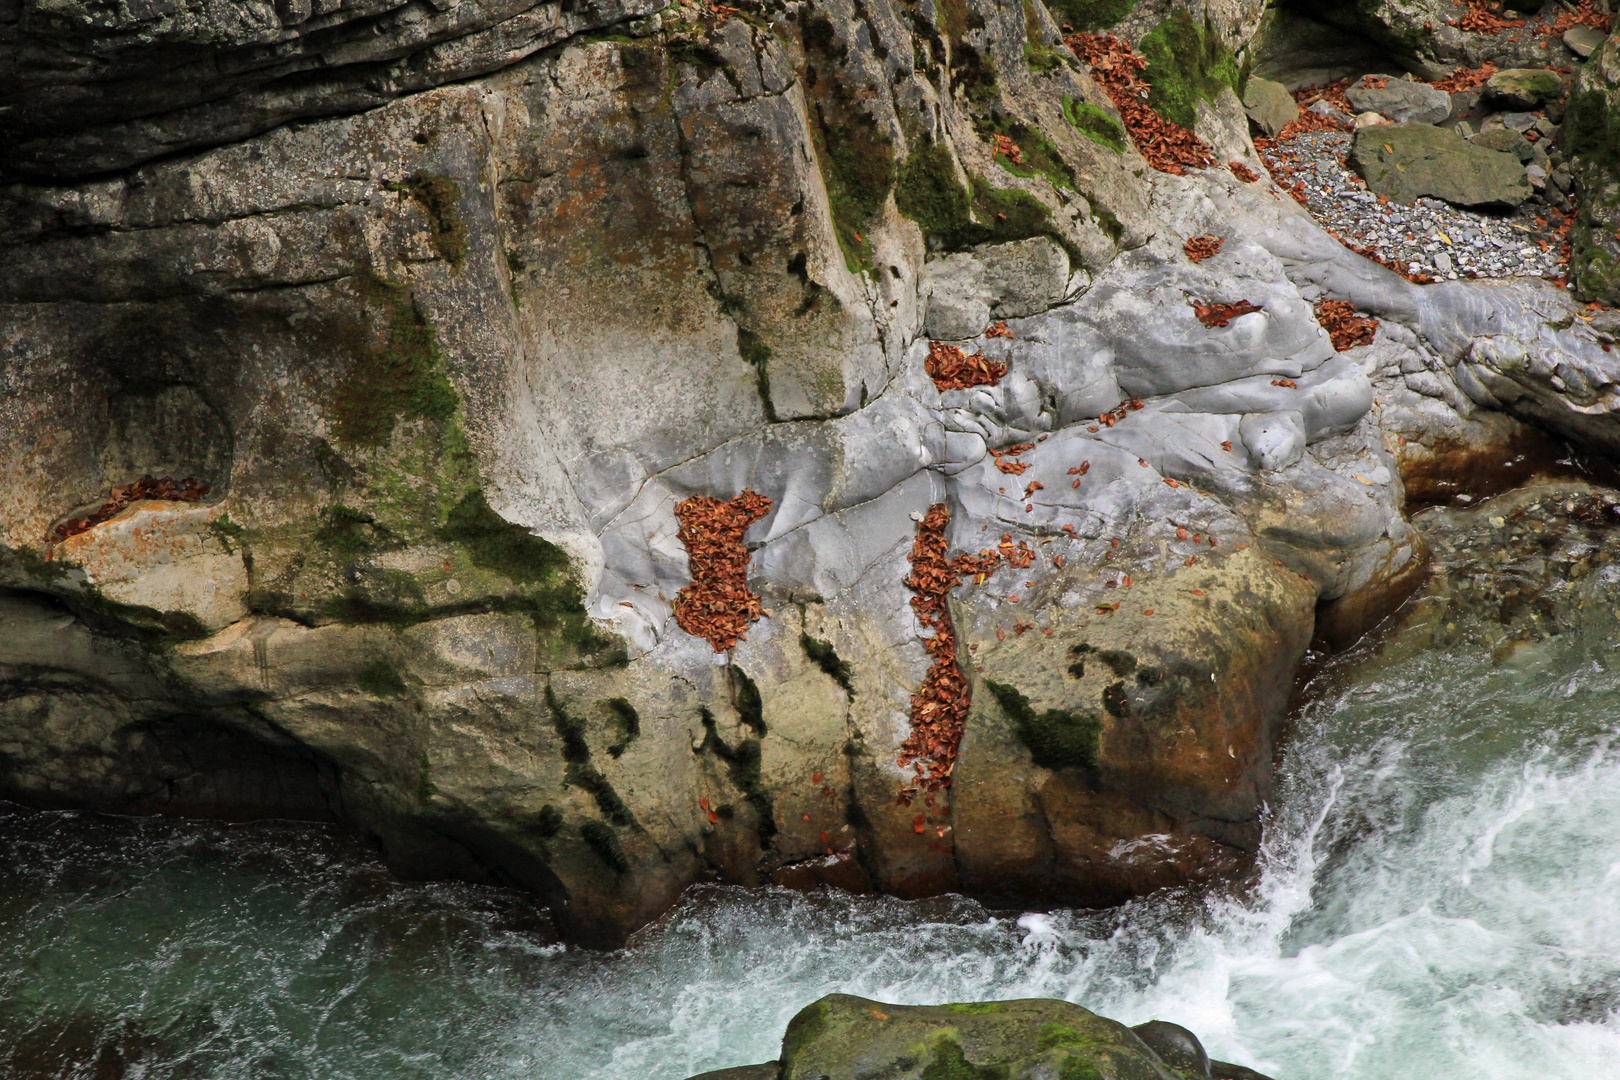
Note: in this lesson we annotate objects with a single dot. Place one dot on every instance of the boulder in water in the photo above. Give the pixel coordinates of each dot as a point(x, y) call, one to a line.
point(1179, 1047)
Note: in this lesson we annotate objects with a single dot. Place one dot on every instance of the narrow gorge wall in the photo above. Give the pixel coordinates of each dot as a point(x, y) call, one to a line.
point(451, 306)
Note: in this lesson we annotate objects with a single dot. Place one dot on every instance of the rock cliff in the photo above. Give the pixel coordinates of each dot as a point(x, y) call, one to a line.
point(450, 306)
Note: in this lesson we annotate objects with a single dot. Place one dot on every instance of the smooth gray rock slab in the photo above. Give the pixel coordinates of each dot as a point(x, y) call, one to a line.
point(1402, 101)
point(1269, 105)
point(1408, 161)
point(769, 1070)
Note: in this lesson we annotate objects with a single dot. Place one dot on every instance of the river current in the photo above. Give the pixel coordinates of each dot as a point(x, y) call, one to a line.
point(1438, 896)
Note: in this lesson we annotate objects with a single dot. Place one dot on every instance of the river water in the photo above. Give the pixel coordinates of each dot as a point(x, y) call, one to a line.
point(1438, 897)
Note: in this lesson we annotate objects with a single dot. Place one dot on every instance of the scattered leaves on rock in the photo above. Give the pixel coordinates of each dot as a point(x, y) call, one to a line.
point(147, 487)
point(718, 605)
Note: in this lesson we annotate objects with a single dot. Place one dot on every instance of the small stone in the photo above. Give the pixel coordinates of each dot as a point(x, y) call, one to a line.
point(1370, 119)
point(1522, 88)
point(1537, 176)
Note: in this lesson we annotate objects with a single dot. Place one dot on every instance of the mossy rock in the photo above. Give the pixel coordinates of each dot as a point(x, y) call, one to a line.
point(1186, 62)
point(1095, 124)
point(1090, 14)
point(1056, 738)
point(841, 1037)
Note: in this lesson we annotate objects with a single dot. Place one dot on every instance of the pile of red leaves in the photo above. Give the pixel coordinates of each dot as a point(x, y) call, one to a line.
point(1465, 79)
point(1008, 149)
point(952, 369)
point(1482, 20)
point(1243, 172)
point(1213, 315)
point(718, 605)
point(147, 487)
point(1168, 146)
point(939, 708)
point(998, 329)
point(1344, 326)
point(1200, 248)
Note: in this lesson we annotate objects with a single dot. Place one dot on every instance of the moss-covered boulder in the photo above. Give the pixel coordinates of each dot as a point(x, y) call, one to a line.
point(842, 1037)
point(1523, 88)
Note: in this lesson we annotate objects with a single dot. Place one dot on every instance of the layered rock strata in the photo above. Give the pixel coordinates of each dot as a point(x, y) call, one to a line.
point(449, 365)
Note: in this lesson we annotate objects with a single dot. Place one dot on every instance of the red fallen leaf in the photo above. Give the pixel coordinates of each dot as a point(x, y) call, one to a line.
point(1190, 560)
point(815, 777)
point(1181, 533)
point(825, 838)
point(1001, 635)
point(1126, 581)
point(704, 802)
point(1068, 528)
point(1076, 483)
point(1012, 599)
point(1147, 611)
point(1093, 428)
point(1211, 541)
point(1226, 444)
point(918, 823)
point(1107, 609)
point(804, 817)
point(714, 819)
point(997, 329)
point(1057, 561)
point(827, 792)
point(1196, 592)
point(1243, 172)
point(1289, 383)
point(1172, 483)
point(1085, 467)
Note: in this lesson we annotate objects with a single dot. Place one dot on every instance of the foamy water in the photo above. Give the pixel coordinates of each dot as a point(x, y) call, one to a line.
point(1439, 898)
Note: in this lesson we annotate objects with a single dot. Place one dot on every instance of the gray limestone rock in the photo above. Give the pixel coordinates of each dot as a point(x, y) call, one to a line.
point(1501, 138)
point(1583, 40)
point(1269, 105)
point(1408, 161)
point(1401, 100)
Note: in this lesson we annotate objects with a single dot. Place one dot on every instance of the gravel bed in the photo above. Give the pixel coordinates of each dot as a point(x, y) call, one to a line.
point(1429, 237)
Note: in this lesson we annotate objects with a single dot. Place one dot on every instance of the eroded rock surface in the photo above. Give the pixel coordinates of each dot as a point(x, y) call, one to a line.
point(450, 364)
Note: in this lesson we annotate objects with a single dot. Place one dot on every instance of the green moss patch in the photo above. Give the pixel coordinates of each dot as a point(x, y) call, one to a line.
point(825, 657)
point(379, 679)
point(1090, 14)
point(928, 192)
point(1186, 62)
point(425, 789)
point(493, 543)
point(857, 159)
point(348, 534)
point(1037, 53)
point(440, 196)
point(977, 1008)
point(949, 1063)
point(1039, 156)
point(399, 377)
point(605, 842)
point(629, 722)
point(1057, 738)
point(1094, 124)
point(807, 1025)
point(743, 763)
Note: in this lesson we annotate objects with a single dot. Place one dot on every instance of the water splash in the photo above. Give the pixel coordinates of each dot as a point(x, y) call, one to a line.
point(1435, 899)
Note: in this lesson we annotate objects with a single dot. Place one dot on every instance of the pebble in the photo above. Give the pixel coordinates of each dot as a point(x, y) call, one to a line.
point(1428, 237)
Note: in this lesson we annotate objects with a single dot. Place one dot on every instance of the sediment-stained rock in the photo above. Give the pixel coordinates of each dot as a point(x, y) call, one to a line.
point(450, 364)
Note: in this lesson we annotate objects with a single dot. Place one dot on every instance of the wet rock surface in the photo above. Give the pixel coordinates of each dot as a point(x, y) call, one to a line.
point(451, 364)
point(842, 1037)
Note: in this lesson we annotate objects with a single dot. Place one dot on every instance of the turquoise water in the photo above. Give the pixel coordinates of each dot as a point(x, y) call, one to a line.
point(1439, 897)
